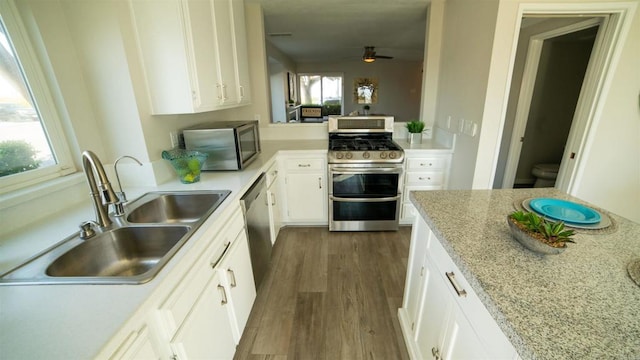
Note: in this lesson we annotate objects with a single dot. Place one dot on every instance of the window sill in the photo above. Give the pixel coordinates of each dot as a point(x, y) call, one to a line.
point(38, 191)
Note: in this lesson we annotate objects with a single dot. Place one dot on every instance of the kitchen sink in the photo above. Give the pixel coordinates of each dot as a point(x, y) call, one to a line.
point(174, 207)
point(130, 251)
point(127, 251)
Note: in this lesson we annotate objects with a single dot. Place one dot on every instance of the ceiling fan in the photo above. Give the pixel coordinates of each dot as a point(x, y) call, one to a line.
point(370, 56)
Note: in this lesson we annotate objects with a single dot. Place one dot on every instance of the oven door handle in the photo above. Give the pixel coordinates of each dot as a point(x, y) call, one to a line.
point(342, 199)
point(336, 170)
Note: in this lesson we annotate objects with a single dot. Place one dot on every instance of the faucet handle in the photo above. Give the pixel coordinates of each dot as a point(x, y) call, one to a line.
point(87, 230)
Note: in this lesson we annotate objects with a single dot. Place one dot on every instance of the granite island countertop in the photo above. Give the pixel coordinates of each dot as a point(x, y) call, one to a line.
point(581, 304)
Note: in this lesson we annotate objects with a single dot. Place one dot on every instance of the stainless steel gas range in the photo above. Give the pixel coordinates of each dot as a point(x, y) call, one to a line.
point(365, 174)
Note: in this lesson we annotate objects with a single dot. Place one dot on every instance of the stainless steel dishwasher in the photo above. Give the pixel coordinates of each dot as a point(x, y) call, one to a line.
point(256, 215)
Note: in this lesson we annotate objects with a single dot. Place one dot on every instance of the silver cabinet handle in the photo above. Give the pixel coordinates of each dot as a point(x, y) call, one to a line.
point(233, 278)
point(220, 95)
point(224, 295)
point(424, 178)
point(319, 183)
point(304, 165)
point(273, 199)
point(241, 91)
point(452, 279)
point(425, 164)
point(226, 247)
point(436, 353)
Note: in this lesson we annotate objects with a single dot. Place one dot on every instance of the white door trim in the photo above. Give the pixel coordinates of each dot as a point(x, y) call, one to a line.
point(621, 15)
point(526, 92)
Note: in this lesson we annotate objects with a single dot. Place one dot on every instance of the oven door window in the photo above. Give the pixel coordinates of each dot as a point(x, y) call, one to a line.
point(364, 211)
point(365, 185)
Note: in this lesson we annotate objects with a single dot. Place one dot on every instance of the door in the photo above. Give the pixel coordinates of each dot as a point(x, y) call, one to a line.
point(239, 283)
point(542, 113)
point(206, 332)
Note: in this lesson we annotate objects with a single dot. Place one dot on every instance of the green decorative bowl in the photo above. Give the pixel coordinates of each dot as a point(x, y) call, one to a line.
point(186, 163)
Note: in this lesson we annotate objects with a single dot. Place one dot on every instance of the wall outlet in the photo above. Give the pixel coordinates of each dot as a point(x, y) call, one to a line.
point(173, 135)
point(449, 122)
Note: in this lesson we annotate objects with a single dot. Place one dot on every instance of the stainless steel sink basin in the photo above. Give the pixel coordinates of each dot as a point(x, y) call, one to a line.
point(160, 207)
point(130, 251)
point(127, 251)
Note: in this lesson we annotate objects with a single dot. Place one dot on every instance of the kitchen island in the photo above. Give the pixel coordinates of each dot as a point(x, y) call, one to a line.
point(581, 304)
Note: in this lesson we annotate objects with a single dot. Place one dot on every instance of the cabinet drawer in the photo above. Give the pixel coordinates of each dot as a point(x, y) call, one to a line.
point(408, 189)
point(484, 325)
point(272, 173)
point(430, 163)
point(179, 303)
point(435, 178)
point(305, 164)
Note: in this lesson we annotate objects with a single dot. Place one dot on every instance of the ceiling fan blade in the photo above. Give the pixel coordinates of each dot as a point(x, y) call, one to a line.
point(383, 57)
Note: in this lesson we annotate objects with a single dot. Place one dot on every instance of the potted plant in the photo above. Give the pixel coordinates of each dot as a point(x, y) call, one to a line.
point(415, 128)
point(366, 109)
point(539, 235)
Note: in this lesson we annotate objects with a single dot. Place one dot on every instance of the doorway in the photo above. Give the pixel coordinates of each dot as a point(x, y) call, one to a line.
point(551, 62)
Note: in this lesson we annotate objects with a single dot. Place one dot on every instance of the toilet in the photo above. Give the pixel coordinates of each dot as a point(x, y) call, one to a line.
point(545, 174)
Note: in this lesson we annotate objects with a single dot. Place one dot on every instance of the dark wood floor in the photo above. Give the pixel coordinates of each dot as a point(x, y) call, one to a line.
point(330, 295)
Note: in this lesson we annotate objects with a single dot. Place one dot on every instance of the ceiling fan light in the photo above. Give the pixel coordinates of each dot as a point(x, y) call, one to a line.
point(368, 59)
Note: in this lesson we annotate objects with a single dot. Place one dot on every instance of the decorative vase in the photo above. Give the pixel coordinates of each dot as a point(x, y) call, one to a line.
point(531, 242)
point(415, 138)
point(186, 163)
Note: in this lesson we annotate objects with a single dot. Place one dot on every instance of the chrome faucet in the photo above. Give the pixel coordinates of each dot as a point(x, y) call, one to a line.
point(118, 207)
point(101, 193)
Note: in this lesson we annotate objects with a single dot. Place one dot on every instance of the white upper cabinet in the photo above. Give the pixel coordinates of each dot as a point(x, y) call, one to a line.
point(194, 54)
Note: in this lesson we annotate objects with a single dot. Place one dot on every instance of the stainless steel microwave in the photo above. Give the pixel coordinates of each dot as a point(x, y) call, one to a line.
point(231, 145)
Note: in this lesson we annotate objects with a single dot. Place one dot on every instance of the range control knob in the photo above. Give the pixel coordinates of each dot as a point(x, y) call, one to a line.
point(392, 155)
point(348, 155)
point(366, 155)
point(339, 155)
point(383, 155)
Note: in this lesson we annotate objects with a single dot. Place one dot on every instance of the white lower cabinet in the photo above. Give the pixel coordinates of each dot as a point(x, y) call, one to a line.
point(441, 316)
point(305, 190)
point(138, 345)
point(239, 286)
point(206, 332)
point(274, 199)
point(424, 170)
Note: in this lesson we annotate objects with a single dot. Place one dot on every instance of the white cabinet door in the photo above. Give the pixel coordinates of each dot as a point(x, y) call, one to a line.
point(241, 55)
point(207, 331)
point(193, 59)
point(275, 216)
point(461, 342)
point(137, 346)
point(416, 272)
point(238, 281)
point(434, 313)
point(306, 196)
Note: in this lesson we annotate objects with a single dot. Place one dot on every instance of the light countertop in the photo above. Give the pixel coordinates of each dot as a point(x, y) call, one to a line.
point(580, 304)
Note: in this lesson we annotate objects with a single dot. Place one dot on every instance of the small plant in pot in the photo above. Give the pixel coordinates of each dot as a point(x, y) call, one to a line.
point(415, 129)
point(538, 234)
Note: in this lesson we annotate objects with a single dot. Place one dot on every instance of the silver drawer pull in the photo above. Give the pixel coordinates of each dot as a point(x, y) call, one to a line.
point(233, 278)
point(424, 178)
point(224, 295)
point(452, 279)
point(304, 165)
point(425, 164)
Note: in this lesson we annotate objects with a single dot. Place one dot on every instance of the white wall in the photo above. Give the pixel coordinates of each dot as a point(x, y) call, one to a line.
point(464, 73)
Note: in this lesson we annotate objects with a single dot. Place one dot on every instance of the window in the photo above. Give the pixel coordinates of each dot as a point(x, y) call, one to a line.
point(324, 90)
point(32, 146)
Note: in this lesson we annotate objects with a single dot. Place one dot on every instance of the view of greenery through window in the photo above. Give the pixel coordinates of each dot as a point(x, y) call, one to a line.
point(322, 90)
point(24, 144)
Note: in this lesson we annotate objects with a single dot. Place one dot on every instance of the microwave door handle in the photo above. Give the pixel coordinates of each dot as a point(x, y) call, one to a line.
point(361, 200)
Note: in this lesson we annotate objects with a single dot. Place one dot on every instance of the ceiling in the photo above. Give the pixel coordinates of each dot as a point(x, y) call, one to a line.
point(338, 30)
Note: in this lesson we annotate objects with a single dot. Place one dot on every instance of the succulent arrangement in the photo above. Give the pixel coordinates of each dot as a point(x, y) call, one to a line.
point(554, 234)
point(415, 126)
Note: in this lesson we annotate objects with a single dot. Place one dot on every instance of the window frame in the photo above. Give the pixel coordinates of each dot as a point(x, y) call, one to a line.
point(37, 84)
point(322, 75)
